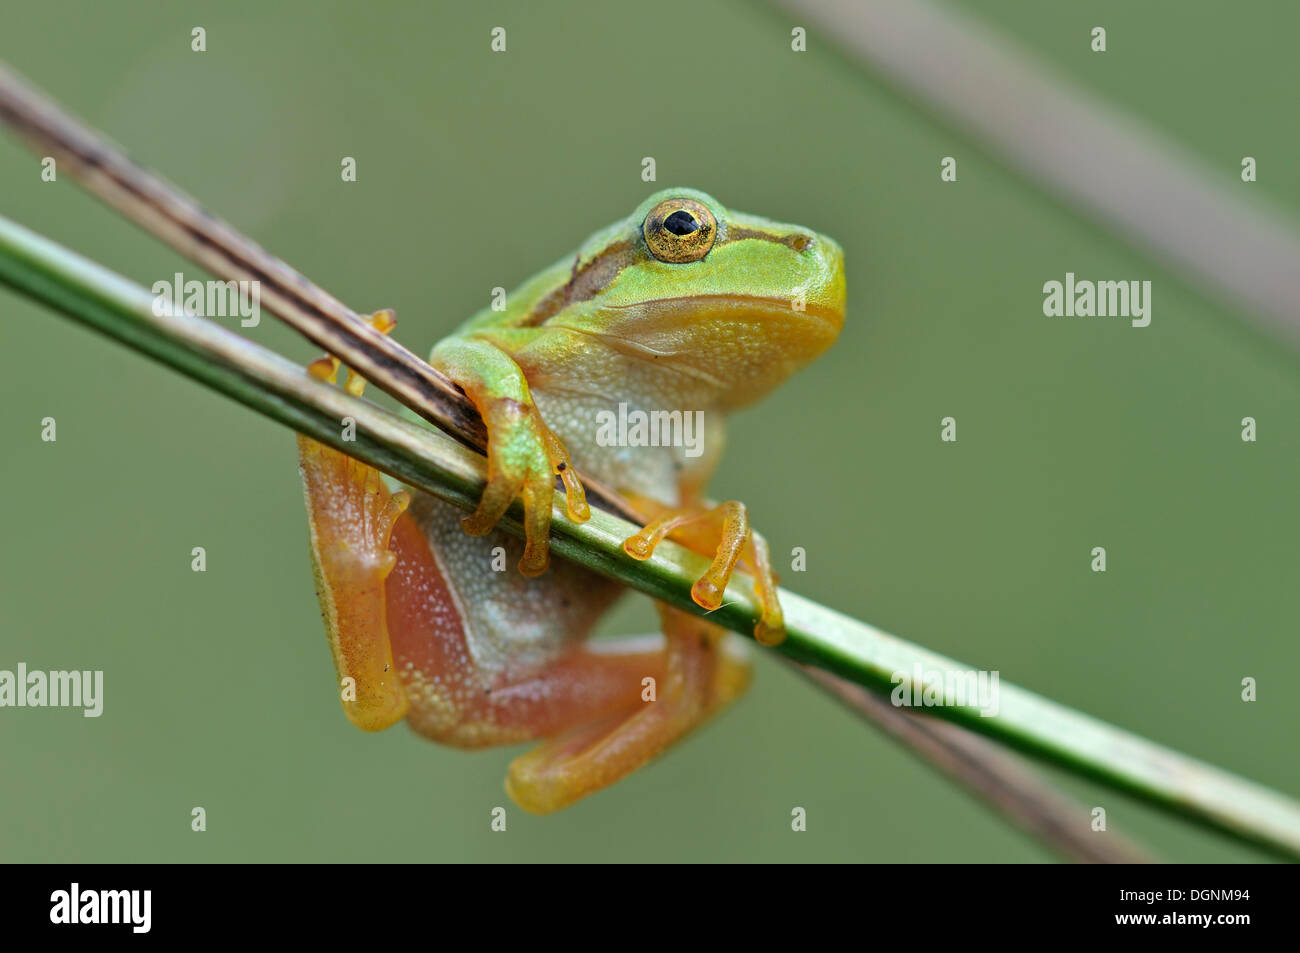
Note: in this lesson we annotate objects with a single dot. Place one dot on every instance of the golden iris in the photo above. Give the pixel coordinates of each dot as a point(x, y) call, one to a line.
point(679, 230)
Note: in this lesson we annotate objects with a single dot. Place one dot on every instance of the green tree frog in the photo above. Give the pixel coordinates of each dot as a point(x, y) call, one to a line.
point(684, 306)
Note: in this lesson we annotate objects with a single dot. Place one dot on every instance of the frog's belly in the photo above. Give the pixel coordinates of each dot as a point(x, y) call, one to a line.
point(512, 625)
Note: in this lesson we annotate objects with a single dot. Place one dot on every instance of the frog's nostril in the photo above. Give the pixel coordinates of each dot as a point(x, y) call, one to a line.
point(801, 242)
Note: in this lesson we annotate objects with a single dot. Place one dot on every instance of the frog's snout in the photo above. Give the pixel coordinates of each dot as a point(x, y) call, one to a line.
point(825, 295)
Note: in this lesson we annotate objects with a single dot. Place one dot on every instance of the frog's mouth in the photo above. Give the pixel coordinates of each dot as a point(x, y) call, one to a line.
point(705, 320)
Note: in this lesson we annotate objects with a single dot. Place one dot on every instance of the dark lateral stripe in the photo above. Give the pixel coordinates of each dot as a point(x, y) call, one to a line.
point(795, 240)
point(585, 282)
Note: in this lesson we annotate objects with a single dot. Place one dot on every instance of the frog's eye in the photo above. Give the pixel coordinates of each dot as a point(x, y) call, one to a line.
point(679, 230)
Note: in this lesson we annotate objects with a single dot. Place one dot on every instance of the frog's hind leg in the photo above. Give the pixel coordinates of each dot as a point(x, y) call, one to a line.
point(351, 516)
point(703, 671)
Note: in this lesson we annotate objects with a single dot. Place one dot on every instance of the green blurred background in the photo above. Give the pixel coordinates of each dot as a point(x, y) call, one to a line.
point(474, 170)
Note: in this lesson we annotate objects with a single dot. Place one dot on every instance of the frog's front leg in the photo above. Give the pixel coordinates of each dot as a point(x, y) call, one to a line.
point(524, 456)
point(723, 533)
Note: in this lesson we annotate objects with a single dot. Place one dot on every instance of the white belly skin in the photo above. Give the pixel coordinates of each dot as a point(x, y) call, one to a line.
point(513, 625)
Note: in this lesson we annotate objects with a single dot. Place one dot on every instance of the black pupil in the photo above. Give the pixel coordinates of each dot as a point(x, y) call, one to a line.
point(681, 223)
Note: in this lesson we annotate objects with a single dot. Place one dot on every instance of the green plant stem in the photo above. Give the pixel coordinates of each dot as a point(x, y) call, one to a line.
point(817, 636)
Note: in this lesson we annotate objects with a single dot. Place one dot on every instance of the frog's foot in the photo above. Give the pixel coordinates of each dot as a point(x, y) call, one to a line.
point(327, 368)
point(351, 516)
point(524, 456)
point(701, 674)
point(722, 532)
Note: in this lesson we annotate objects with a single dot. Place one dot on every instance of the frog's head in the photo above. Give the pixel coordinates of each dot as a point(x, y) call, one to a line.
point(733, 301)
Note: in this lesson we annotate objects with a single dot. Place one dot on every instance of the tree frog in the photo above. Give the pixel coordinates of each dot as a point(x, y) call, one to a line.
point(685, 307)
